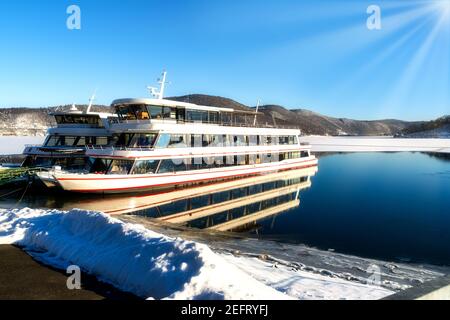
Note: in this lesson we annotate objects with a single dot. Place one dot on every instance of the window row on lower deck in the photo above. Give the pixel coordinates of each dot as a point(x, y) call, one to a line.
point(166, 140)
point(119, 166)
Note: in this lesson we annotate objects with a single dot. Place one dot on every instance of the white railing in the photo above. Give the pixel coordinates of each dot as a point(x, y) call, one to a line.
point(118, 148)
point(220, 123)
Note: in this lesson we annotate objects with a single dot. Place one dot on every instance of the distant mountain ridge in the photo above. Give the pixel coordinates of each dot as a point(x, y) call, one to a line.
point(308, 121)
point(28, 121)
point(439, 128)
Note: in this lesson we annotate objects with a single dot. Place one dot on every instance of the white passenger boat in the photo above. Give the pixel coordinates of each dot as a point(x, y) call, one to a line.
point(160, 143)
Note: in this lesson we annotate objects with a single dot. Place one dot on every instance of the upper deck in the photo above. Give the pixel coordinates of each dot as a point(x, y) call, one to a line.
point(151, 114)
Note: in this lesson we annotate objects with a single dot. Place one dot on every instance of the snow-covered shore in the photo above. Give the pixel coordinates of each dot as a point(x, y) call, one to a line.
point(15, 144)
point(375, 144)
point(155, 266)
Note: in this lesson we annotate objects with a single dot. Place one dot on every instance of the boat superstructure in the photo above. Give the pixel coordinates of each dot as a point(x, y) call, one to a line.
point(160, 143)
point(65, 144)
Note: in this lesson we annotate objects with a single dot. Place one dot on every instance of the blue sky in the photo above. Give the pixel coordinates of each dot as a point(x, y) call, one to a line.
point(316, 54)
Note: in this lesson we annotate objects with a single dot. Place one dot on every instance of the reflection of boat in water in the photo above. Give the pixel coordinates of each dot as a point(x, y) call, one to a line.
point(223, 206)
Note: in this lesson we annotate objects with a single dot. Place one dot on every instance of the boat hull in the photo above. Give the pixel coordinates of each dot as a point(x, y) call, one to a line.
point(92, 183)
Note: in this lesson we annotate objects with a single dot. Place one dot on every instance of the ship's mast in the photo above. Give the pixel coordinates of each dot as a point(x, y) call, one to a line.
point(256, 112)
point(159, 94)
point(91, 101)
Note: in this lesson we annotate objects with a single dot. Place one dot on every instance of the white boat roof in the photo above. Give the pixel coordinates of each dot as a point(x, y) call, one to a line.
point(169, 103)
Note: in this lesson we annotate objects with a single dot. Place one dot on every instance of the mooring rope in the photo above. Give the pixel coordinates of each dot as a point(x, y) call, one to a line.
point(9, 193)
point(23, 195)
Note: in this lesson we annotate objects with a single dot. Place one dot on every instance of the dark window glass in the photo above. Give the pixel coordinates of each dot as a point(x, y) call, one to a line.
point(172, 165)
point(145, 166)
point(144, 140)
point(181, 114)
point(99, 166)
point(156, 112)
point(213, 117)
point(177, 141)
point(226, 118)
point(120, 166)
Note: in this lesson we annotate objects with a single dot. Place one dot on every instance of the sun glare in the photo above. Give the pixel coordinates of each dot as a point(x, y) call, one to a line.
point(443, 6)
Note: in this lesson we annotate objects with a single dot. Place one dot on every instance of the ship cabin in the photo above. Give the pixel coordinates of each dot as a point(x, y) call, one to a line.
point(65, 144)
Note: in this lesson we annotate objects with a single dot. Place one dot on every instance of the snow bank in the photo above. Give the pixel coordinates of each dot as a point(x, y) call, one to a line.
point(129, 256)
point(152, 265)
point(375, 144)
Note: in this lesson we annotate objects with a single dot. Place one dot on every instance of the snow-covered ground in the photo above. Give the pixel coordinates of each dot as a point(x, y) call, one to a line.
point(15, 145)
point(375, 144)
point(151, 265)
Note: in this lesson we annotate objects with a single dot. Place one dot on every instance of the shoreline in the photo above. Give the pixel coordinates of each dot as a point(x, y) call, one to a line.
point(24, 278)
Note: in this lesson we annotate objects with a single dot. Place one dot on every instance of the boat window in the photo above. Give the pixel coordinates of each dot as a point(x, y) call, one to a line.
point(163, 140)
point(169, 113)
point(43, 162)
point(93, 120)
point(52, 141)
point(304, 154)
point(177, 141)
point(124, 139)
point(252, 140)
point(197, 116)
point(156, 112)
point(226, 118)
point(292, 139)
point(99, 166)
point(172, 165)
point(217, 140)
point(120, 167)
point(144, 140)
point(213, 117)
point(284, 140)
point(141, 112)
point(240, 140)
point(180, 114)
point(196, 140)
point(126, 112)
point(206, 140)
point(145, 166)
point(239, 160)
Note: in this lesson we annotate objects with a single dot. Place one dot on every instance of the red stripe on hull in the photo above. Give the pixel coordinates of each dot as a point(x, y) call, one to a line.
point(189, 173)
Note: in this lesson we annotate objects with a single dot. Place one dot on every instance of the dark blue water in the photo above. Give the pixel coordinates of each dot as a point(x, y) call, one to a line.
point(390, 206)
point(393, 206)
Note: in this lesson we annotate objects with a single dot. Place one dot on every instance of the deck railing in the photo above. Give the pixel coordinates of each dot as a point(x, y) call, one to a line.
point(216, 123)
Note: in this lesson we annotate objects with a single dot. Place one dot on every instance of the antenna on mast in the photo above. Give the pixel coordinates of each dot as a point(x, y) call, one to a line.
point(256, 112)
point(159, 94)
point(91, 101)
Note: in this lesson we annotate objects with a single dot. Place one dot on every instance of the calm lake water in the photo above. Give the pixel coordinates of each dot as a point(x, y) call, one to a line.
point(390, 206)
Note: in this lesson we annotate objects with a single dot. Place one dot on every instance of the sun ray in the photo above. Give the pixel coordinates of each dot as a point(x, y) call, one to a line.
point(362, 72)
point(398, 95)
